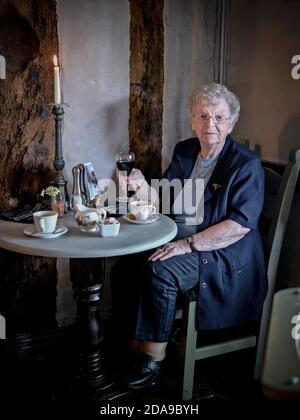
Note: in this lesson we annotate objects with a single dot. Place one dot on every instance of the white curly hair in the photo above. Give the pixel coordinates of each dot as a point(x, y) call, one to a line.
point(212, 93)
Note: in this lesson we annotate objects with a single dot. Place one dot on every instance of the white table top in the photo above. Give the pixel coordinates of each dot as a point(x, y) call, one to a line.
point(132, 238)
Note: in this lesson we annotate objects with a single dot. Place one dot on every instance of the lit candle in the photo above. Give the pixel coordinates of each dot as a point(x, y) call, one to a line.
point(57, 95)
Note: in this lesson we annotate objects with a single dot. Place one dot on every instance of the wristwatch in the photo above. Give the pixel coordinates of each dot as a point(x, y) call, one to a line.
point(191, 243)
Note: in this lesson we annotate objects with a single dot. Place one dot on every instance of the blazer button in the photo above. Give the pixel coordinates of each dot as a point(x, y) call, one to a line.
point(204, 261)
point(204, 285)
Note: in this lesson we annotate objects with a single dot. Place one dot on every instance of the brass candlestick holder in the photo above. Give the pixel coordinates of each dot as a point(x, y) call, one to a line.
point(59, 163)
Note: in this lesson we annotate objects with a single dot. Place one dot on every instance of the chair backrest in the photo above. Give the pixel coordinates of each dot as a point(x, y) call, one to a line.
point(281, 209)
point(246, 143)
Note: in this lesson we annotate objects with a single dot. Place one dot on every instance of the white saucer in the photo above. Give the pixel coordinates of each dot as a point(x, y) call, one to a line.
point(87, 230)
point(150, 219)
point(31, 231)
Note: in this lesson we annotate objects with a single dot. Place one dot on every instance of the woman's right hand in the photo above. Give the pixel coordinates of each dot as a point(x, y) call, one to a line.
point(134, 180)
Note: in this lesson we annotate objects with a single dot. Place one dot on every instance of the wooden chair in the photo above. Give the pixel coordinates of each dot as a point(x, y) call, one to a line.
point(278, 200)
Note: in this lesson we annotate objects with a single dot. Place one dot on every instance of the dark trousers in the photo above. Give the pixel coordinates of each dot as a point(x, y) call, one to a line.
point(144, 294)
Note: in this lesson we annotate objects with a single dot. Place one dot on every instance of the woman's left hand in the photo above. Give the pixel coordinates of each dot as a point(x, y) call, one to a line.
point(171, 249)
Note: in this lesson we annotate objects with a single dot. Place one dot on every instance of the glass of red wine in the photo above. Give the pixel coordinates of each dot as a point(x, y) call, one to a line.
point(125, 164)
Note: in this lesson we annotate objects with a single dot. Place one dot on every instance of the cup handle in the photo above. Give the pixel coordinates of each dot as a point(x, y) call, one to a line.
point(153, 210)
point(101, 213)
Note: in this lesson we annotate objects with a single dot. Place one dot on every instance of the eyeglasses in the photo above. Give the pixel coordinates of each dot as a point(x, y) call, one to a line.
point(217, 119)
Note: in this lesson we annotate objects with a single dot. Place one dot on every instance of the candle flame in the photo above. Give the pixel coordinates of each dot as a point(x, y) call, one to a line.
point(55, 60)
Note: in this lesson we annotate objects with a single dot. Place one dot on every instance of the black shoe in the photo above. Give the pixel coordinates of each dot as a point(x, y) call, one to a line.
point(144, 374)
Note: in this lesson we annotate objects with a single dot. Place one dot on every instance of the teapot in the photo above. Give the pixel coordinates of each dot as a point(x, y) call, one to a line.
point(88, 218)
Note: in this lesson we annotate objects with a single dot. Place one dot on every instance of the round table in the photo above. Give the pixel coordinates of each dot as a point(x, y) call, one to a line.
point(132, 238)
point(86, 251)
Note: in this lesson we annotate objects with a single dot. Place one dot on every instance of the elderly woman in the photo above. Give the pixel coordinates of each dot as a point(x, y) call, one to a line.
point(222, 256)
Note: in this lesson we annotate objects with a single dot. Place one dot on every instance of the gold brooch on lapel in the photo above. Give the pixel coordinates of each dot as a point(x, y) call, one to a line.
point(216, 186)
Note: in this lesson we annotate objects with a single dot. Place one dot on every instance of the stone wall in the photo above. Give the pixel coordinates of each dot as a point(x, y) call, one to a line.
point(28, 41)
point(26, 123)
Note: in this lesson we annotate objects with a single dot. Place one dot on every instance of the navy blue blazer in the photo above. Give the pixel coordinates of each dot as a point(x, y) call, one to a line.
point(234, 277)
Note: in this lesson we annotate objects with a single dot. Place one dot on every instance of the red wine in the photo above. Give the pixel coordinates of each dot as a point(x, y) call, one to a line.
point(125, 165)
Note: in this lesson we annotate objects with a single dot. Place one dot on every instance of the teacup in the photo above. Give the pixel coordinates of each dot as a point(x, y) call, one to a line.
point(45, 221)
point(142, 210)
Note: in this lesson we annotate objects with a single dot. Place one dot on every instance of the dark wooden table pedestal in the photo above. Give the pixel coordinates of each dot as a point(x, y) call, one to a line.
point(87, 278)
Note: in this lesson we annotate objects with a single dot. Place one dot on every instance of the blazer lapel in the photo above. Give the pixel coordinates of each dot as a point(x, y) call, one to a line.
point(216, 181)
point(186, 163)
